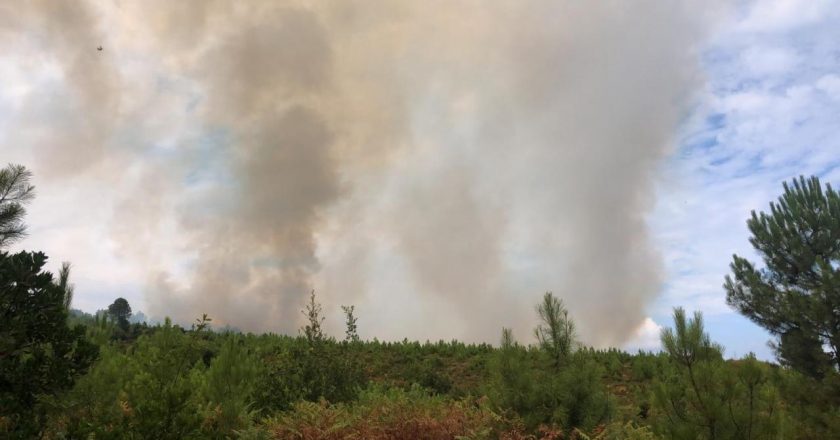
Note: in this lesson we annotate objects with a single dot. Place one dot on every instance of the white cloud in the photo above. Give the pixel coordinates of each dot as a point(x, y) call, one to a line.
point(830, 85)
point(768, 60)
point(782, 15)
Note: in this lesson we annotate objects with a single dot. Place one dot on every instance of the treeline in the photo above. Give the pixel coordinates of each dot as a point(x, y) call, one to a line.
point(68, 375)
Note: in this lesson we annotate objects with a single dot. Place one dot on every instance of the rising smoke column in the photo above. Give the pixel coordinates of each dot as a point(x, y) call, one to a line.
point(439, 164)
point(254, 251)
point(536, 132)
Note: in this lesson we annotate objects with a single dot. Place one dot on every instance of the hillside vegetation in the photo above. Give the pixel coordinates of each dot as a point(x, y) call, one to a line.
point(168, 382)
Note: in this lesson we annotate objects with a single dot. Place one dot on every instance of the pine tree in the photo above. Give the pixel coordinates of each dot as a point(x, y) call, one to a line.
point(350, 335)
point(797, 295)
point(15, 190)
point(40, 355)
point(120, 311)
point(703, 397)
point(65, 285)
point(228, 386)
point(511, 380)
point(312, 330)
point(556, 333)
point(691, 394)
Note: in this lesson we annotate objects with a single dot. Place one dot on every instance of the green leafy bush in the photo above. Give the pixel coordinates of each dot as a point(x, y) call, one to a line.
point(40, 356)
point(703, 397)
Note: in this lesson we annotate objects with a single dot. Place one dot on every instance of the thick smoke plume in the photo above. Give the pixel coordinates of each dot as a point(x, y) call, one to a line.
point(439, 164)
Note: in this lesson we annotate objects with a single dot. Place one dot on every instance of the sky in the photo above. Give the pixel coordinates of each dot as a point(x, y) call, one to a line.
point(769, 112)
point(439, 166)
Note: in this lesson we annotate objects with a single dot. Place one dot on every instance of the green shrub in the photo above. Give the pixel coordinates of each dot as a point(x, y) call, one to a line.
point(301, 370)
point(388, 413)
point(40, 355)
point(703, 397)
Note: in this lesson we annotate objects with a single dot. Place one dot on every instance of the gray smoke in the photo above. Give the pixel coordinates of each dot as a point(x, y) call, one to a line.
point(81, 119)
point(439, 164)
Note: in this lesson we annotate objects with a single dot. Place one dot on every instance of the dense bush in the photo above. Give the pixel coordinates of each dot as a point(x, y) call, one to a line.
point(172, 382)
point(533, 386)
point(298, 369)
point(387, 413)
point(40, 355)
point(177, 383)
point(703, 397)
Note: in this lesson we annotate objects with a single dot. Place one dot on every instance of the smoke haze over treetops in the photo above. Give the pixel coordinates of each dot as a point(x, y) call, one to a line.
point(438, 164)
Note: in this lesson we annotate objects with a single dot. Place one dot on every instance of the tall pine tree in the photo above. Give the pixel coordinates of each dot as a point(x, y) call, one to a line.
point(797, 295)
point(556, 332)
